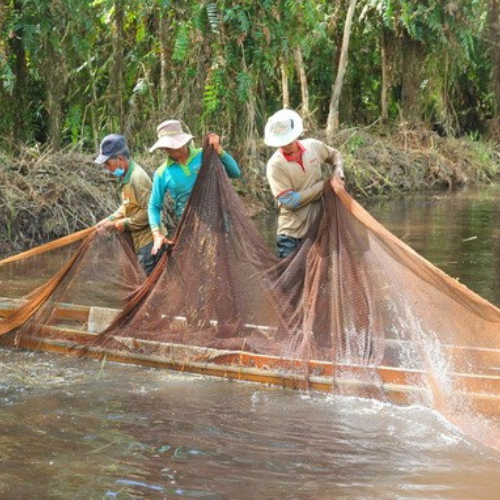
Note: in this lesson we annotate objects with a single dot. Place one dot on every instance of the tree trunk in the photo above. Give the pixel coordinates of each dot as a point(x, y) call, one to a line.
point(3, 55)
point(21, 75)
point(384, 93)
point(3, 47)
point(332, 124)
point(304, 87)
point(251, 105)
point(494, 41)
point(413, 58)
point(164, 60)
point(116, 111)
point(93, 104)
point(284, 86)
point(55, 77)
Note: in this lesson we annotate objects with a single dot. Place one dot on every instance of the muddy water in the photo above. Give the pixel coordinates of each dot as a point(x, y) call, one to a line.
point(458, 232)
point(73, 430)
point(80, 429)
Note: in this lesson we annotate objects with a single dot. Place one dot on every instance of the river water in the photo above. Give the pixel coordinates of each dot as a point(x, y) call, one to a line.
point(81, 429)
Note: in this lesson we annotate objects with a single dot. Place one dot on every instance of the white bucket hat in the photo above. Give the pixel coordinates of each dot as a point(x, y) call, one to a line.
point(283, 128)
point(171, 135)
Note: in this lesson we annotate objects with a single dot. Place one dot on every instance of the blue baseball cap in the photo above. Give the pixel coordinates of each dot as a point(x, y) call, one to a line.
point(111, 145)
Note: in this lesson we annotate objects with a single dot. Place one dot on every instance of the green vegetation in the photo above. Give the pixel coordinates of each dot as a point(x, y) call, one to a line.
point(378, 81)
point(72, 70)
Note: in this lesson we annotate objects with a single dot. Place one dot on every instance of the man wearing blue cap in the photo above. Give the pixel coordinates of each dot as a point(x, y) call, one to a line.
point(135, 187)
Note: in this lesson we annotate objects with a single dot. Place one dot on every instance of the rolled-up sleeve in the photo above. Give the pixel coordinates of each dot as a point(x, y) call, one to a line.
point(331, 156)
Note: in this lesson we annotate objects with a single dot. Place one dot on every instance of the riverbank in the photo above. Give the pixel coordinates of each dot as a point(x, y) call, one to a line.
point(44, 195)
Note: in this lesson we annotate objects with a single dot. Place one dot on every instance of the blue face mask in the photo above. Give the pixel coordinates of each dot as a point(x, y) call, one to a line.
point(118, 172)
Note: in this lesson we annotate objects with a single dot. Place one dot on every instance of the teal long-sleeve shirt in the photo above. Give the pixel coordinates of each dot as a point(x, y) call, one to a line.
point(178, 180)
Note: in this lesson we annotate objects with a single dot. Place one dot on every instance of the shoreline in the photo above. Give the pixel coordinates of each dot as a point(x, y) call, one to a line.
point(45, 195)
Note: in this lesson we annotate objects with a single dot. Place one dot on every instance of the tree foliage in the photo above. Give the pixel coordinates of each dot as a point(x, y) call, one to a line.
point(69, 67)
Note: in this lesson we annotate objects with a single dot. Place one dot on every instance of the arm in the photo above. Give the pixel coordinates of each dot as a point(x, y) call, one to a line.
point(232, 168)
point(111, 220)
point(293, 200)
point(119, 214)
point(331, 156)
point(155, 207)
point(284, 193)
point(155, 204)
point(334, 158)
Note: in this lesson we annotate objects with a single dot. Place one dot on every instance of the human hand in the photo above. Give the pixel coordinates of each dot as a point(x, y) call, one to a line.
point(214, 140)
point(120, 225)
point(105, 225)
point(158, 241)
point(337, 183)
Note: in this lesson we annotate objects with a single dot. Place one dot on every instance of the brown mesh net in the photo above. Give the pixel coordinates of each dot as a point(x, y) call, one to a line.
point(354, 311)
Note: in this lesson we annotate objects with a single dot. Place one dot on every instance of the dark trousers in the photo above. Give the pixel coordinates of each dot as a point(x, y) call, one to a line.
point(286, 245)
point(146, 260)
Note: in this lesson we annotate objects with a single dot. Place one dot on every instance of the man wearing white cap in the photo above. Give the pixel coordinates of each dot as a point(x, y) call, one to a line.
point(295, 176)
point(135, 187)
point(178, 173)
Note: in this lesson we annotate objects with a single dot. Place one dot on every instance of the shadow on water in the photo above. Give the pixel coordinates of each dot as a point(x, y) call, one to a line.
point(79, 429)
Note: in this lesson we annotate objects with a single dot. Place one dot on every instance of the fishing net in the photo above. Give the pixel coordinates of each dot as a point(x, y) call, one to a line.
point(354, 311)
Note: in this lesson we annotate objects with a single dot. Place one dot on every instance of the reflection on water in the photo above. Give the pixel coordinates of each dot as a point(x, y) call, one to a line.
point(80, 429)
point(458, 232)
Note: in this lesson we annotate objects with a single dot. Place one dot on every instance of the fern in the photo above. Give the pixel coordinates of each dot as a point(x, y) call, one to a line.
point(73, 122)
point(245, 85)
point(268, 68)
point(181, 45)
point(213, 17)
point(8, 78)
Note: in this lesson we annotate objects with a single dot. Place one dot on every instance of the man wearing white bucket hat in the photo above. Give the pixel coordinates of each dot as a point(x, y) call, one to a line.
point(295, 177)
point(177, 175)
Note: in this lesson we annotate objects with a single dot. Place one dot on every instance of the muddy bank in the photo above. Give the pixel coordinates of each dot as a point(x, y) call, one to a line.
point(44, 195)
point(411, 160)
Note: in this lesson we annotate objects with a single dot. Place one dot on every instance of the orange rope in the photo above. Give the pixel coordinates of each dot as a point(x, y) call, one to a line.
point(39, 297)
point(52, 245)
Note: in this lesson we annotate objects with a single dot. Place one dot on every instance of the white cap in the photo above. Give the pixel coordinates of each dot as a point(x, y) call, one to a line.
point(284, 127)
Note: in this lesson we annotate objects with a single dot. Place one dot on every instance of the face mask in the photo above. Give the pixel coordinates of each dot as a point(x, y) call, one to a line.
point(118, 172)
